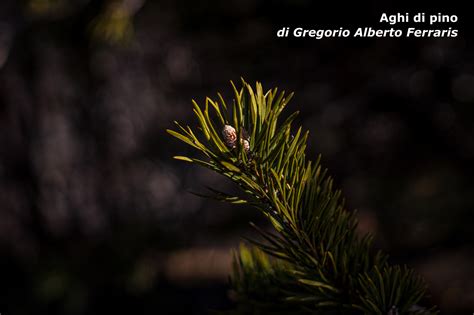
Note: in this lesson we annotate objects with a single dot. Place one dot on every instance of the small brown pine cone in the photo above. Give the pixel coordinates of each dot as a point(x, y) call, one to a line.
point(245, 144)
point(230, 136)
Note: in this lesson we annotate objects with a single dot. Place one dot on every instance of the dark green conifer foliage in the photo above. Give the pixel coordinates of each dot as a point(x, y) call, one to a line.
point(314, 261)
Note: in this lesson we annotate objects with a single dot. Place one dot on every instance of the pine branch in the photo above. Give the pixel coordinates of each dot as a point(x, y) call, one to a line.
point(326, 265)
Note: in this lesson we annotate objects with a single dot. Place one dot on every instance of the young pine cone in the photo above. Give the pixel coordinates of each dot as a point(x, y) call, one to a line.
point(245, 144)
point(230, 138)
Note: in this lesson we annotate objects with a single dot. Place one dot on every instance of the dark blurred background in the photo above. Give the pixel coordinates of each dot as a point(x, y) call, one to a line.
point(96, 216)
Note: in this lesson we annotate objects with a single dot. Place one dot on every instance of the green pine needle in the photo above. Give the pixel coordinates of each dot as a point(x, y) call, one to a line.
point(314, 261)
